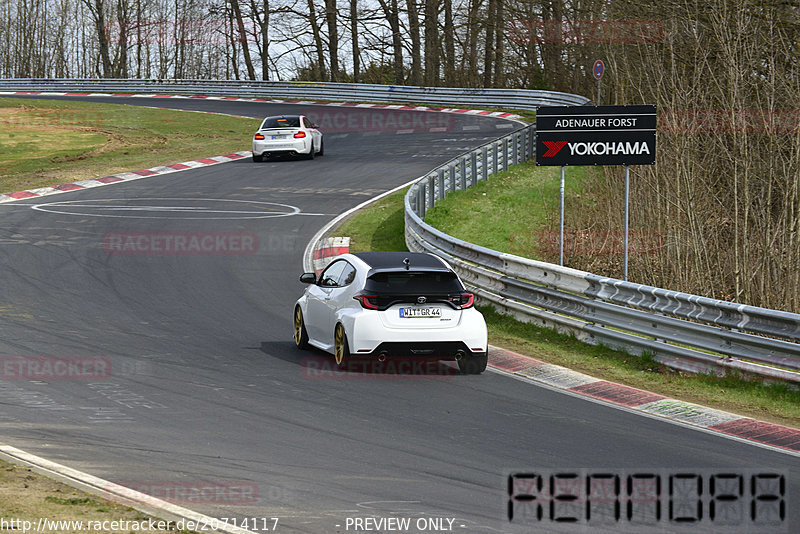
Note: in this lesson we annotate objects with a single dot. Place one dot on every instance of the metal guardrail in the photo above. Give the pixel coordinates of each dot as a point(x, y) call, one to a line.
point(687, 332)
point(492, 98)
point(682, 331)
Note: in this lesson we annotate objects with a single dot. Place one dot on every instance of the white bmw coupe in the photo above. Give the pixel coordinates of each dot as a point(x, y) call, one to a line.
point(386, 304)
point(287, 134)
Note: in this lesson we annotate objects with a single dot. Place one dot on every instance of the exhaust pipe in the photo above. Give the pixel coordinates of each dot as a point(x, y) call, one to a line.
point(382, 357)
point(459, 355)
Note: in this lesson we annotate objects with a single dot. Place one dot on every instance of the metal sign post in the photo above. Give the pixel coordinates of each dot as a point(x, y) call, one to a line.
point(596, 135)
point(561, 224)
point(627, 191)
point(598, 70)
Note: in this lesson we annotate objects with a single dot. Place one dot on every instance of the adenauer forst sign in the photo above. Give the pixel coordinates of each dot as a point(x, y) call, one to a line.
point(596, 135)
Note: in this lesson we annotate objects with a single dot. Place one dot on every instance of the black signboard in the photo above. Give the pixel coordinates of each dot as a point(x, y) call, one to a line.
point(596, 135)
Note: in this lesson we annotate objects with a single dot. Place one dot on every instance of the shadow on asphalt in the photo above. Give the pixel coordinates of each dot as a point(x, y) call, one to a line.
point(319, 364)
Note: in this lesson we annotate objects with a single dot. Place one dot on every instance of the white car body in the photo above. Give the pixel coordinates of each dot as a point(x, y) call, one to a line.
point(446, 331)
point(287, 134)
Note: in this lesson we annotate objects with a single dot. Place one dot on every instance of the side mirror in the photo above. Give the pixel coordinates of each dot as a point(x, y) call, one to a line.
point(308, 278)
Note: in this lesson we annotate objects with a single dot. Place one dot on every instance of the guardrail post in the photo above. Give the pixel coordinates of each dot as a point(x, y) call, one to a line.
point(462, 178)
point(474, 166)
point(485, 163)
point(421, 200)
point(429, 190)
point(514, 148)
point(451, 170)
point(495, 152)
point(440, 181)
point(506, 150)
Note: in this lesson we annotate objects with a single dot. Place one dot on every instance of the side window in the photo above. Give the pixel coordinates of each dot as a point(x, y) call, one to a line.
point(330, 276)
point(348, 275)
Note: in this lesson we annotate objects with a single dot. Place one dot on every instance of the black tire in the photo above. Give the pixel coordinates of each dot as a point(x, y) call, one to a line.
point(341, 352)
point(474, 364)
point(300, 333)
point(311, 154)
point(258, 159)
point(321, 148)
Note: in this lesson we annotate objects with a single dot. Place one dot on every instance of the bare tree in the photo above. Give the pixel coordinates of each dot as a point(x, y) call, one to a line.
point(392, 13)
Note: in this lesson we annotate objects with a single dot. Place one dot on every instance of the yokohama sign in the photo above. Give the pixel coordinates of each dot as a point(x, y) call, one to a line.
point(596, 135)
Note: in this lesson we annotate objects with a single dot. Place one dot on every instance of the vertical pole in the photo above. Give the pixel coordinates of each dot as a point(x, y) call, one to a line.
point(561, 224)
point(627, 190)
point(598, 91)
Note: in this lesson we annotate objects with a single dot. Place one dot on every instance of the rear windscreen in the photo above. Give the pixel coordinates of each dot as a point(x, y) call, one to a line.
point(281, 122)
point(413, 282)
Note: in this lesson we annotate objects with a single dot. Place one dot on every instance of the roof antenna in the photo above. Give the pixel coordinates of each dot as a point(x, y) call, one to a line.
point(406, 262)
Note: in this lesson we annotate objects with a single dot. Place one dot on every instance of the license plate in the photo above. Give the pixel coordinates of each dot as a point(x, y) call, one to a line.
point(410, 313)
point(278, 137)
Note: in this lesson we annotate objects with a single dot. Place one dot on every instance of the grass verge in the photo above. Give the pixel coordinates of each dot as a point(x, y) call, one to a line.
point(50, 142)
point(28, 496)
point(508, 211)
point(380, 227)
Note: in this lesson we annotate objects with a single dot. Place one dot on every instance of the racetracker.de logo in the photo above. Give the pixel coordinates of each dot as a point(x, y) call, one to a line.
point(365, 368)
point(180, 243)
point(46, 368)
point(376, 119)
point(188, 492)
point(586, 31)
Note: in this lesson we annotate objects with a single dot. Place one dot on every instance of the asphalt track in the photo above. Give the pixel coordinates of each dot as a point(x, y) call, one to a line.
point(206, 387)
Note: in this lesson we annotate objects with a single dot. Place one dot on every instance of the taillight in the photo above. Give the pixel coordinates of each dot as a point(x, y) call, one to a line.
point(259, 137)
point(463, 301)
point(299, 135)
point(367, 301)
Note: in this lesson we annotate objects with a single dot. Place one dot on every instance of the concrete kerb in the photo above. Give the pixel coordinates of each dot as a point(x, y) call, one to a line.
point(732, 426)
point(114, 492)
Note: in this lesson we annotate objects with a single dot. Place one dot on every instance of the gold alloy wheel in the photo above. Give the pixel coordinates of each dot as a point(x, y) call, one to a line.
point(339, 344)
point(298, 326)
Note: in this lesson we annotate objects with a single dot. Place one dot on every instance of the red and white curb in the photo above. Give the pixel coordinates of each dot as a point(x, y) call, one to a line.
point(744, 428)
point(122, 177)
point(460, 111)
point(327, 249)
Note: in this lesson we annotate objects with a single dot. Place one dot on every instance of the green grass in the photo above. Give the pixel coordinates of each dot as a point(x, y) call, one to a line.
point(49, 142)
point(507, 212)
point(28, 496)
point(380, 227)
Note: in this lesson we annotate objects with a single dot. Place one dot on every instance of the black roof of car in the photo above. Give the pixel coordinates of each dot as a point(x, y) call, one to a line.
point(393, 261)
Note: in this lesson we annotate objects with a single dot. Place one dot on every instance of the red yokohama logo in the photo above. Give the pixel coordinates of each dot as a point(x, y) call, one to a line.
point(553, 148)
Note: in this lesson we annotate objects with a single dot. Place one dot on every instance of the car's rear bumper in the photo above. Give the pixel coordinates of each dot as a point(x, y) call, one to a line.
point(448, 350)
point(367, 335)
point(299, 146)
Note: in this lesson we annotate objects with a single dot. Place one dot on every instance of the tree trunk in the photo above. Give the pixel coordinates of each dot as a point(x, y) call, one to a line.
point(488, 58)
point(431, 43)
point(333, 37)
point(416, 50)
point(237, 12)
point(354, 39)
point(97, 10)
point(393, 16)
point(449, 44)
point(499, 74)
point(312, 18)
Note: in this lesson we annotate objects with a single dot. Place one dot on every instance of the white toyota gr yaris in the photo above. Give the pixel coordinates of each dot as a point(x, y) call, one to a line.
point(388, 304)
